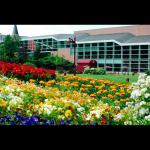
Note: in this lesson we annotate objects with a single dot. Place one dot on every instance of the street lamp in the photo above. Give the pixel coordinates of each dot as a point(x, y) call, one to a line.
point(75, 45)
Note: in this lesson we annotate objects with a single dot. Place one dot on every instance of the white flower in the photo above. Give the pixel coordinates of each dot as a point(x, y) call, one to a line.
point(96, 112)
point(80, 109)
point(135, 94)
point(147, 118)
point(127, 123)
point(21, 94)
point(118, 117)
point(47, 111)
point(148, 79)
point(88, 117)
point(129, 103)
point(117, 107)
point(147, 95)
point(142, 76)
point(143, 111)
point(46, 100)
point(143, 90)
point(142, 103)
point(59, 109)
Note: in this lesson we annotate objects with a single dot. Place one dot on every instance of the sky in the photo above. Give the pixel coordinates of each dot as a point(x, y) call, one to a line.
point(38, 30)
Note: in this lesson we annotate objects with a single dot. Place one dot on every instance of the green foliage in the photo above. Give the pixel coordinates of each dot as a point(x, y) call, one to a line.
point(30, 64)
point(98, 71)
point(51, 61)
point(148, 72)
point(9, 49)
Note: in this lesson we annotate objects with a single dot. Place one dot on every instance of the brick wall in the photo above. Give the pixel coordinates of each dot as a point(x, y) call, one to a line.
point(136, 30)
point(65, 52)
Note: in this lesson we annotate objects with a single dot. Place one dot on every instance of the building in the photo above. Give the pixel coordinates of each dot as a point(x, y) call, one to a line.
point(115, 49)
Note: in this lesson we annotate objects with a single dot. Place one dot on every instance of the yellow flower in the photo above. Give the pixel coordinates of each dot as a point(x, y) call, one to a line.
point(81, 89)
point(42, 82)
point(32, 81)
point(103, 98)
point(99, 92)
point(3, 103)
point(68, 113)
point(48, 103)
point(92, 95)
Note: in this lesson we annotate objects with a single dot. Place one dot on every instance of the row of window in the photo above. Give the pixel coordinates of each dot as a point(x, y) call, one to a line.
point(117, 67)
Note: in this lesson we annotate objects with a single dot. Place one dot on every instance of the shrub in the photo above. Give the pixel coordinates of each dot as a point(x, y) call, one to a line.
point(148, 72)
point(30, 64)
point(98, 71)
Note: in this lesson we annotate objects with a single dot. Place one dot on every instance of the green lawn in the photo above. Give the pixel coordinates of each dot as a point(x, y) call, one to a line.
point(113, 77)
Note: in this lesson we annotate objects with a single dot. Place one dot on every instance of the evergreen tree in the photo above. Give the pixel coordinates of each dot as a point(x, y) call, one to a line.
point(9, 49)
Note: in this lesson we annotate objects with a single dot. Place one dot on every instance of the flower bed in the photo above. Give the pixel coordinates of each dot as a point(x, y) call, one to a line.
point(115, 94)
point(137, 111)
point(50, 103)
point(74, 100)
point(25, 72)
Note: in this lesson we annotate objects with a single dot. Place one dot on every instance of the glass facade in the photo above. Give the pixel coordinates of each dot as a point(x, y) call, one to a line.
point(116, 58)
point(109, 55)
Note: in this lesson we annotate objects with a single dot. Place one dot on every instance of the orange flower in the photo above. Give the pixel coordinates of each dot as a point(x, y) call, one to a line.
point(110, 96)
point(81, 89)
point(117, 102)
point(34, 100)
point(92, 95)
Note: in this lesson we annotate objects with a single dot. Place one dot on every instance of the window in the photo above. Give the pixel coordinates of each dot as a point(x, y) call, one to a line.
point(101, 48)
point(134, 54)
point(109, 54)
point(80, 55)
point(87, 45)
point(110, 44)
point(117, 54)
point(101, 54)
point(87, 55)
point(145, 52)
point(125, 54)
point(80, 45)
point(117, 67)
point(110, 48)
point(144, 46)
point(94, 44)
point(117, 47)
point(94, 54)
point(101, 65)
point(144, 66)
point(126, 48)
point(135, 47)
point(109, 67)
point(101, 44)
point(144, 62)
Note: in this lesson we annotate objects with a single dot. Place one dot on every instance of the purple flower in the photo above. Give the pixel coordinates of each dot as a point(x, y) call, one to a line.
point(62, 122)
point(34, 119)
point(18, 117)
point(12, 123)
point(69, 121)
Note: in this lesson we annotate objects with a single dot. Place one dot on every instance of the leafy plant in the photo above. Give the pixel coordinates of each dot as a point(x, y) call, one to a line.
point(98, 71)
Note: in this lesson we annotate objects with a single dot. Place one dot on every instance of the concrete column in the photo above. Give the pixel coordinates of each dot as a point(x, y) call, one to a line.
point(129, 59)
point(105, 54)
point(148, 57)
point(139, 59)
point(113, 54)
point(121, 59)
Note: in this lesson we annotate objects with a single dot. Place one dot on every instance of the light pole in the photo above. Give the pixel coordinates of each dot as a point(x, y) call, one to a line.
point(75, 45)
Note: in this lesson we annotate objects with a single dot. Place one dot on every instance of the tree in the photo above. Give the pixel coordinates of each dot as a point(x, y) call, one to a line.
point(9, 49)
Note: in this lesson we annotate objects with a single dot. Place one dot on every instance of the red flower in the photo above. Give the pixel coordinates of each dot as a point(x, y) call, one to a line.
point(103, 121)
